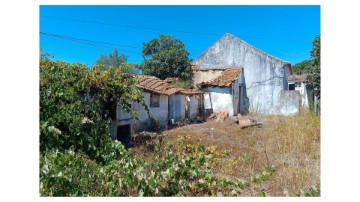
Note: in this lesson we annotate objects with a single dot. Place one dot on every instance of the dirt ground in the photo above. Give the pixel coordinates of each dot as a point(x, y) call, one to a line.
point(289, 144)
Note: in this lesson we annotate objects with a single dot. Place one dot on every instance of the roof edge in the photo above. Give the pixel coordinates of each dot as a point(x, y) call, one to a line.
point(237, 38)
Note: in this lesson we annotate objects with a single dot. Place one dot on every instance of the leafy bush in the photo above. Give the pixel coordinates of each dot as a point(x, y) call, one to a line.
point(77, 105)
point(71, 173)
point(68, 173)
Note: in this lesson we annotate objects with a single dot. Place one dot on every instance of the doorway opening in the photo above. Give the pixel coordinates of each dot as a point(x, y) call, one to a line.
point(239, 101)
point(123, 135)
point(291, 86)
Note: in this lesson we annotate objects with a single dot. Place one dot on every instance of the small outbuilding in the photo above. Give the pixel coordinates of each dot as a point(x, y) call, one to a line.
point(225, 92)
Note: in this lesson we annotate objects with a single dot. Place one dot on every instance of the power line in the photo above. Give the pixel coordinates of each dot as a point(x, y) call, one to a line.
point(85, 40)
point(90, 42)
point(171, 30)
point(106, 44)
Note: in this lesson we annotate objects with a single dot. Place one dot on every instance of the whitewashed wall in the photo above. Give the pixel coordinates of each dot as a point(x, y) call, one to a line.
point(193, 107)
point(220, 99)
point(303, 94)
point(160, 113)
point(289, 102)
point(265, 76)
point(176, 107)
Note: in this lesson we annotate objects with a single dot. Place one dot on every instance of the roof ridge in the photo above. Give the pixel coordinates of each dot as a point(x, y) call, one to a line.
point(233, 37)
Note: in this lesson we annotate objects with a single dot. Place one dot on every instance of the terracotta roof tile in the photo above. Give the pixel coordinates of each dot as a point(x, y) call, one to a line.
point(154, 84)
point(157, 85)
point(225, 79)
point(300, 78)
point(192, 92)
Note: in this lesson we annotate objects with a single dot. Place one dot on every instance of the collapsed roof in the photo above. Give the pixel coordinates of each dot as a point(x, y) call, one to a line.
point(298, 78)
point(154, 84)
point(226, 79)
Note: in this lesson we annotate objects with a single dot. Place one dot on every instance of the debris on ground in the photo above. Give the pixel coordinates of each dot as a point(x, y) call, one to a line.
point(182, 122)
point(245, 122)
point(239, 116)
point(218, 117)
point(200, 119)
point(144, 136)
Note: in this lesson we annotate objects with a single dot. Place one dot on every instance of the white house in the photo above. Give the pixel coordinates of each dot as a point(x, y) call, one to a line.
point(166, 103)
point(264, 76)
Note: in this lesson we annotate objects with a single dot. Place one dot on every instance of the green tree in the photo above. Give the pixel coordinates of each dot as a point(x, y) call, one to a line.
point(302, 67)
point(166, 57)
point(77, 105)
point(115, 60)
point(314, 73)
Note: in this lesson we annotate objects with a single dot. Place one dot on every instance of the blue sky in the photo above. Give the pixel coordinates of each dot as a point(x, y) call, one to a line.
point(79, 34)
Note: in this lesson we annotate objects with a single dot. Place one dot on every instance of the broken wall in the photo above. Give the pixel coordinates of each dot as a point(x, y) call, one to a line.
point(203, 76)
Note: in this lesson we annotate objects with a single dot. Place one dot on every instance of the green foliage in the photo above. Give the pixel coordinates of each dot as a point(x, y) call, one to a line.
point(166, 57)
point(114, 60)
point(313, 191)
point(302, 67)
point(69, 173)
point(262, 194)
point(264, 175)
point(77, 105)
point(314, 77)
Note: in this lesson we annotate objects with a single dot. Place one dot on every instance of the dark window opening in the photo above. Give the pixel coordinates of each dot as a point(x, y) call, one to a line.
point(291, 86)
point(154, 100)
point(124, 135)
point(128, 105)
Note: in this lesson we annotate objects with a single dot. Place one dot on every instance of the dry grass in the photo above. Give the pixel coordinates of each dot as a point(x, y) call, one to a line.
point(289, 144)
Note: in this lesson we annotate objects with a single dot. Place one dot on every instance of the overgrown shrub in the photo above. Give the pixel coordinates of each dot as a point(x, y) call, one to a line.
point(70, 173)
point(77, 105)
